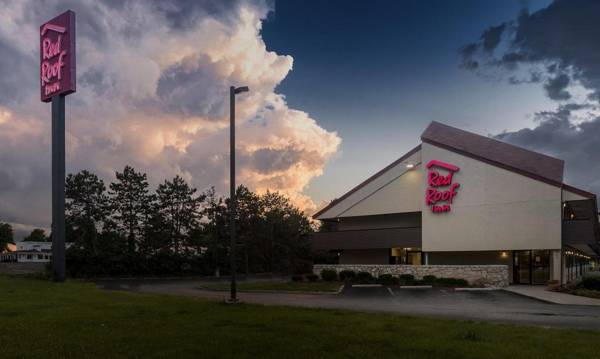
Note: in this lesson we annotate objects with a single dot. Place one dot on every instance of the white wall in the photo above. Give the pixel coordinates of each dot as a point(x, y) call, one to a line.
point(392, 192)
point(495, 209)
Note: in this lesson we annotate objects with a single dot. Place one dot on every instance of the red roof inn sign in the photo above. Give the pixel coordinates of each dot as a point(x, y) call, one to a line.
point(57, 56)
point(440, 186)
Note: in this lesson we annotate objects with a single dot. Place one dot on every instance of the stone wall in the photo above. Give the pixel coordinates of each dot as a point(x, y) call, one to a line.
point(487, 275)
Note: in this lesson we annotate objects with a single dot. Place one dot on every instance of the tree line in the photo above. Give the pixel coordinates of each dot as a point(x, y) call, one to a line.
point(129, 229)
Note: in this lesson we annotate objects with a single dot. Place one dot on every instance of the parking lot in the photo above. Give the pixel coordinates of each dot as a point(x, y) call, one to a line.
point(496, 305)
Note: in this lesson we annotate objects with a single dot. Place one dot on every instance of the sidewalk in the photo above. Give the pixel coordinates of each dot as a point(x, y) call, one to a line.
point(540, 292)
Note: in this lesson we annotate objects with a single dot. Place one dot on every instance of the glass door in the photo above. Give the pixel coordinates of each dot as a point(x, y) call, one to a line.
point(540, 267)
point(522, 267)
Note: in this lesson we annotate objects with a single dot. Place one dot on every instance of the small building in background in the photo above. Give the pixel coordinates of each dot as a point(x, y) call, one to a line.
point(34, 252)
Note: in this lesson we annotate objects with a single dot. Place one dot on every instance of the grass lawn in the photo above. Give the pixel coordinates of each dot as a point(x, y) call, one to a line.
point(278, 286)
point(76, 320)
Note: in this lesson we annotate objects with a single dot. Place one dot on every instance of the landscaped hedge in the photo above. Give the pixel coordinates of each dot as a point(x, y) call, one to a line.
point(347, 275)
point(387, 279)
point(312, 277)
point(451, 282)
point(364, 278)
point(407, 279)
point(429, 279)
point(329, 275)
point(591, 282)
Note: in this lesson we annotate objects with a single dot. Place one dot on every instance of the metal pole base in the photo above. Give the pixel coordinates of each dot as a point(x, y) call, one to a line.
point(233, 301)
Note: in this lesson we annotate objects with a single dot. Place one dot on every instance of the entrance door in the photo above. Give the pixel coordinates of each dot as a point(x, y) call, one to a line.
point(540, 263)
point(531, 267)
point(522, 267)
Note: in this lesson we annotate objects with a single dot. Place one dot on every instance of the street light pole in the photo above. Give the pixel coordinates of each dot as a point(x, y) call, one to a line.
point(232, 198)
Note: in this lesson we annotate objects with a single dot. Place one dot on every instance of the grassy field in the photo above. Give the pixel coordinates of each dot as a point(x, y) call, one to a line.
point(331, 287)
point(75, 320)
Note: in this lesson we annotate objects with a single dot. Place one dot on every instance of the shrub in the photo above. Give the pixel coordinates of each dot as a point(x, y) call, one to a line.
point(451, 282)
point(329, 275)
point(312, 277)
point(407, 279)
point(387, 279)
point(347, 274)
point(297, 278)
point(364, 278)
point(429, 279)
point(586, 293)
point(591, 282)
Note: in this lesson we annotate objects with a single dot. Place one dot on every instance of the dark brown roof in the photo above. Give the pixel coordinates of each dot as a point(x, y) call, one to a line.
point(498, 153)
point(367, 181)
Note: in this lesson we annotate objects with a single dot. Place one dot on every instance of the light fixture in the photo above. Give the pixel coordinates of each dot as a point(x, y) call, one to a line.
point(503, 254)
point(410, 166)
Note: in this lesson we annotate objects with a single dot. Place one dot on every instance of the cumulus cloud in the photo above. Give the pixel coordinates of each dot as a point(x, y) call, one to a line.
point(556, 47)
point(153, 93)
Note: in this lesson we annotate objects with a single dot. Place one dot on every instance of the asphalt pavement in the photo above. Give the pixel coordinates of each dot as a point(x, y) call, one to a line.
point(496, 306)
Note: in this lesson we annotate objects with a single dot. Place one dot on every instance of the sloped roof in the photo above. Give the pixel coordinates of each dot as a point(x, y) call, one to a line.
point(498, 153)
point(366, 182)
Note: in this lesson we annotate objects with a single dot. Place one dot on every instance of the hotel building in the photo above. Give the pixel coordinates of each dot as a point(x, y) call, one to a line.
point(463, 199)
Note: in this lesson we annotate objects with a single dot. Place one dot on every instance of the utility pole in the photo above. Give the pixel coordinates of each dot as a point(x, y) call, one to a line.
point(232, 198)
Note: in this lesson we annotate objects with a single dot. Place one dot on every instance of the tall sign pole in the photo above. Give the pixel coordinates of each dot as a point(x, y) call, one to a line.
point(232, 197)
point(57, 79)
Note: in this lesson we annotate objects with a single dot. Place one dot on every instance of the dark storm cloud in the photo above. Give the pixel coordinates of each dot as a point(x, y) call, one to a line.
point(555, 87)
point(16, 77)
point(557, 46)
point(192, 88)
point(562, 36)
point(557, 136)
point(266, 160)
point(492, 36)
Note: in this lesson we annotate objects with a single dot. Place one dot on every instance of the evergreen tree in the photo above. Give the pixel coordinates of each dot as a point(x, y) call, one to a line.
point(179, 210)
point(86, 209)
point(131, 203)
point(6, 235)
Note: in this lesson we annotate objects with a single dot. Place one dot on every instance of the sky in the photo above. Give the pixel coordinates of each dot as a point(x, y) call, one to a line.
point(338, 90)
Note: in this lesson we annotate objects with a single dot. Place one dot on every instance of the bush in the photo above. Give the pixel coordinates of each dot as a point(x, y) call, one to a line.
point(312, 277)
point(297, 278)
point(364, 278)
point(407, 279)
point(347, 275)
point(451, 282)
point(591, 282)
point(387, 279)
point(429, 279)
point(329, 275)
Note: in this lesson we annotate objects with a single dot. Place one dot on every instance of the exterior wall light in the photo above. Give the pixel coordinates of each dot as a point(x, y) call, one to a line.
point(503, 254)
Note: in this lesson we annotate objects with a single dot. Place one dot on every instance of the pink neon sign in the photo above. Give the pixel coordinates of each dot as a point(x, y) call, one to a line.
point(434, 195)
point(57, 56)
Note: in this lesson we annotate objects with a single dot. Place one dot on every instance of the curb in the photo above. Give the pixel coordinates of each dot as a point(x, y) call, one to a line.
point(274, 291)
point(416, 287)
point(486, 289)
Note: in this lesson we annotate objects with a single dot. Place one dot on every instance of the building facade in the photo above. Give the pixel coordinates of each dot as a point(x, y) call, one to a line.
point(463, 199)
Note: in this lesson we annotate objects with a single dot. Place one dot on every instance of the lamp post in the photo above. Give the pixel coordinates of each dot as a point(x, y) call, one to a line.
point(232, 198)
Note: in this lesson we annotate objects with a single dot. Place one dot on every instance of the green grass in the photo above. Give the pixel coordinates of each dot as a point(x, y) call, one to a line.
point(76, 320)
point(278, 286)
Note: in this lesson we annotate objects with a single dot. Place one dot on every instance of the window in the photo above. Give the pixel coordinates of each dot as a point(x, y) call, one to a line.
point(29, 256)
point(40, 256)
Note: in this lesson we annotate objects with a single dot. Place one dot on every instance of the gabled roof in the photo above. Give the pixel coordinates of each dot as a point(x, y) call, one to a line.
point(531, 164)
point(366, 182)
point(495, 152)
